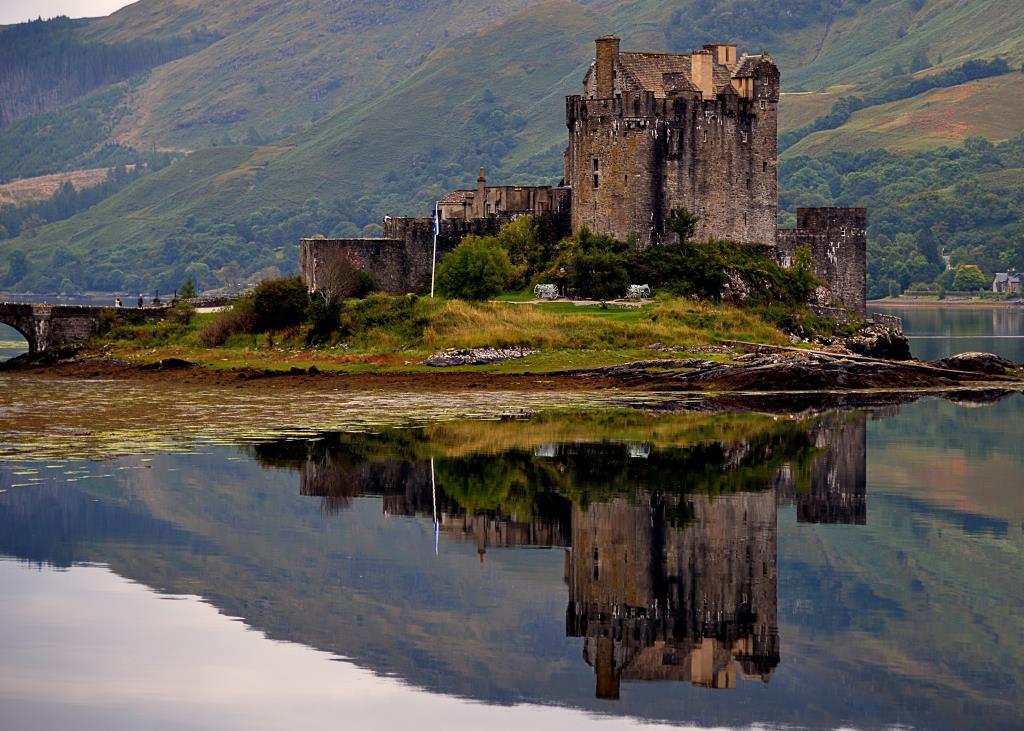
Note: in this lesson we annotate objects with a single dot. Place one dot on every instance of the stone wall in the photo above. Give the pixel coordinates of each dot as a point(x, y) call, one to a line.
point(400, 262)
point(837, 238)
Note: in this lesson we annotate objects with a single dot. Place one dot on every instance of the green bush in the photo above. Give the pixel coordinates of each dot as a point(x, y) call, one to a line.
point(404, 317)
point(323, 320)
point(278, 304)
point(477, 269)
point(599, 275)
point(531, 244)
point(239, 318)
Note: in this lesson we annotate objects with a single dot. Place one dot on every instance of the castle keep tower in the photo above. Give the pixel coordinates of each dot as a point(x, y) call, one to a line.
point(657, 131)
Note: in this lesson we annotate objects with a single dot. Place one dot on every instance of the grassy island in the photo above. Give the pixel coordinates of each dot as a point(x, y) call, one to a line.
point(389, 333)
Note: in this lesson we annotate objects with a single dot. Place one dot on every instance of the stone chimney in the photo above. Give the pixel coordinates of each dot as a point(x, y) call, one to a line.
point(723, 53)
point(701, 73)
point(607, 56)
point(480, 199)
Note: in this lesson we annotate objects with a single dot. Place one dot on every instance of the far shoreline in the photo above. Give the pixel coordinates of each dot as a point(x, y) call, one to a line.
point(946, 303)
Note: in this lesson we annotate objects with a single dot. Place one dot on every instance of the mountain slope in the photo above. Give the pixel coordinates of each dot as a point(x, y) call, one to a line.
point(392, 104)
point(279, 66)
point(394, 155)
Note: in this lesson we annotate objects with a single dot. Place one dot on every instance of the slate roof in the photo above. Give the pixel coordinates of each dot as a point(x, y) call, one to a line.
point(746, 65)
point(456, 196)
point(665, 72)
point(649, 70)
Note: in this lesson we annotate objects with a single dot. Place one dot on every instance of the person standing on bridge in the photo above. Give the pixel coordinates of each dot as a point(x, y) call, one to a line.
point(140, 300)
point(117, 302)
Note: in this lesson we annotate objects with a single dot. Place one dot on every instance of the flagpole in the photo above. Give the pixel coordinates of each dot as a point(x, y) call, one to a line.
point(433, 256)
point(433, 495)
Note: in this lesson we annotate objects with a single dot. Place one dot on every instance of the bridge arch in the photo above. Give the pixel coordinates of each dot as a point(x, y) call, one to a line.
point(6, 352)
point(21, 318)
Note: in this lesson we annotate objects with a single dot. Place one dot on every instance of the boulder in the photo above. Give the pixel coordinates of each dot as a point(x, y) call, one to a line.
point(976, 363)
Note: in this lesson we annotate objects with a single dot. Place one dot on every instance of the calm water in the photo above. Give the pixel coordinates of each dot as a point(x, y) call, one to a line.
point(936, 332)
point(196, 560)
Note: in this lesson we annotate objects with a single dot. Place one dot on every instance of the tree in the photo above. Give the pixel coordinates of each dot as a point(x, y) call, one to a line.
point(598, 275)
point(279, 303)
point(969, 278)
point(478, 268)
point(682, 223)
point(187, 290)
point(17, 267)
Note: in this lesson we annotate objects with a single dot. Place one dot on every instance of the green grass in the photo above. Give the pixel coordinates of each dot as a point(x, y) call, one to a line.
point(394, 334)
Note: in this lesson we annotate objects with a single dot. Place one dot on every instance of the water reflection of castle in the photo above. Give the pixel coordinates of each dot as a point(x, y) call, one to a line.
point(664, 583)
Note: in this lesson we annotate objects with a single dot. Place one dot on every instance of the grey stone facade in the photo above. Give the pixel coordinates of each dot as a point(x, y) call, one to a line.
point(838, 239)
point(653, 132)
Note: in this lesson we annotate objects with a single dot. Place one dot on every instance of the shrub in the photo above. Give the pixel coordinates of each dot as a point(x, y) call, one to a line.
point(599, 275)
point(240, 318)
point(403, 318)
point(531, 244)
point(278, 304)
point(477, 269)
point(182, 313)
point(323, 320)
point(106, 320)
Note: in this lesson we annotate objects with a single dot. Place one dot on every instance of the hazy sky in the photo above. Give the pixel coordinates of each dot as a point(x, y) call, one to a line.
point(16, 11)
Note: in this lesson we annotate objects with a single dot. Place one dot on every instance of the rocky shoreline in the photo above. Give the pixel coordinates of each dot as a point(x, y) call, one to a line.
point(762, 372)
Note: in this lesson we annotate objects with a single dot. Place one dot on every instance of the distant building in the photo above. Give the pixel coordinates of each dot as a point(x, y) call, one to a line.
point(1006, 283)
point(502, 200)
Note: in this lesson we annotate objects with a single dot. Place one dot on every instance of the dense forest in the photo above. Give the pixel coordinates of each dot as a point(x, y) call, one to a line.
point(44, 64)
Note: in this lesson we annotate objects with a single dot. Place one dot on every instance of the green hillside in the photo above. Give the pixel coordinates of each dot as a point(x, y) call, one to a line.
point(346, 113)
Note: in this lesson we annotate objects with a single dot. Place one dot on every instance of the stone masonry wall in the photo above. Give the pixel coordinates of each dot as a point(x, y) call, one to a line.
point(837, 238)
point(400, 262)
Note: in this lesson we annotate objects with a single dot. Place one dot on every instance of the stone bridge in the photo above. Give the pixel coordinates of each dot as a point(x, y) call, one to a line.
point(47, 325)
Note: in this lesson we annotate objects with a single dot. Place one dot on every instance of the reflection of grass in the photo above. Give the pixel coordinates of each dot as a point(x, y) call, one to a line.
point(383, 333)
point(493, 465)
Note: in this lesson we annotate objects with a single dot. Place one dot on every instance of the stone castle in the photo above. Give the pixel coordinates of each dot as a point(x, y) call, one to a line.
point(652, 132)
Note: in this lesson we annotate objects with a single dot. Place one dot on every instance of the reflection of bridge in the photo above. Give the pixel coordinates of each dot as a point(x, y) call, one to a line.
point(46, 325)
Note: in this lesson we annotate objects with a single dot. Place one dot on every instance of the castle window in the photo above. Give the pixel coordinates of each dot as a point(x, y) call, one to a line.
point(705, 135)
point(596, 182)
point(744, 219)
point(743, 136)
point(595, 164)
point(748, 183)
point(625, 180)
point(764, 166)
point(764, 104)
